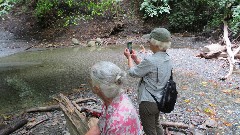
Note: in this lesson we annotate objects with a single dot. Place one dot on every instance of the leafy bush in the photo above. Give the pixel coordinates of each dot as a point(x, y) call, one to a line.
point(236, 20)
point(154, 8)
point(68, 12)
point(5, 6)
point(44, 6)
point(192, 15)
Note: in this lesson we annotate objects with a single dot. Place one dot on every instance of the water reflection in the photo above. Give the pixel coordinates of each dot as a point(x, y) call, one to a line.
point(32, 78)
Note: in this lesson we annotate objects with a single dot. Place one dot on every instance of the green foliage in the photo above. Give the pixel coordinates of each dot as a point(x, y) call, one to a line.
point(194, 15)
point(236, 19)
point(154, 8)
point(64, 12)
point(43, 7)
point(191, 15)
point(68, 12)
point(230, 10)
point(5, 6)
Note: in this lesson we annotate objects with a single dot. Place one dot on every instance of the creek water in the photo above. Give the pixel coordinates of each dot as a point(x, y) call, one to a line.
point(33, 78)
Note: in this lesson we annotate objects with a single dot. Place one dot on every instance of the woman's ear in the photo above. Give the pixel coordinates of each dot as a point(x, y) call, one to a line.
point(96, 89)
point(119, 81)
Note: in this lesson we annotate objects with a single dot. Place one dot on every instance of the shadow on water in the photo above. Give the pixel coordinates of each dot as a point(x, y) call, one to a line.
point(30, 79)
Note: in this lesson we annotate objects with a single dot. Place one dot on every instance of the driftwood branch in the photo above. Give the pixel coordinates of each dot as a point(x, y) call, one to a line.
point(57, 107)
point(175, 124)
point(236, 51)
point(209, 56)
point(167, 125)
point(80, 100)
point(77, 122)
point(13, 127)
point(43, 109)
point(229, 50)
point(35, 124)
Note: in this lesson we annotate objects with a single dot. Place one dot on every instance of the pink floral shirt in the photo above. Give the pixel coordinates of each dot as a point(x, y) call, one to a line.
point(120, 118)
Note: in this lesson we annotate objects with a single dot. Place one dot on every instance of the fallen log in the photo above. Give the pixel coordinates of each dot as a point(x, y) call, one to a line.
point(218, 51)
point(77, 122)
point(209, 55)
point(175, 124)
point(168, 125)
point(213, 48)
point(56, 107)
point(13, 127)
point(43, 109)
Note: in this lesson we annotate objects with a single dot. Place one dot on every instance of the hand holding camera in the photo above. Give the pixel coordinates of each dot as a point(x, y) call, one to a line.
point(129, 46)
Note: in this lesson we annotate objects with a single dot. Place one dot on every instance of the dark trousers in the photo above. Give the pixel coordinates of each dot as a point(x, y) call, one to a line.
point(149, 115)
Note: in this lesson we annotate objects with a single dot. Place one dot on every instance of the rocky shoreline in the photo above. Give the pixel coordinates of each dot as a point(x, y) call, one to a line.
point(206, 102)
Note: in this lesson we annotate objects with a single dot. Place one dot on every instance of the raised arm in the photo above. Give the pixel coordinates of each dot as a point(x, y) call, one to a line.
point(135, 58)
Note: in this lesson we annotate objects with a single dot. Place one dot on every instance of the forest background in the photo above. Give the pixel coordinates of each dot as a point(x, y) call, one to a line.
point(201, 17)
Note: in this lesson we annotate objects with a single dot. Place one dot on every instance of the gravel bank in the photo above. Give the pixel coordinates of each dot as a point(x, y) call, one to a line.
point(209, 104)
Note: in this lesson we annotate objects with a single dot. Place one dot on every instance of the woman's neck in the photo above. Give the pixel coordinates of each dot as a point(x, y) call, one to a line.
point(155, 51)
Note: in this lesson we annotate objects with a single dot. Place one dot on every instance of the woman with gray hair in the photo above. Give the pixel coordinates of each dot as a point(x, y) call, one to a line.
point(154, 71)
point(119, 116)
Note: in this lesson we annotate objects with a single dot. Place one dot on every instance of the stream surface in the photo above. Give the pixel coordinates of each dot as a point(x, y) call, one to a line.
point(32, 78)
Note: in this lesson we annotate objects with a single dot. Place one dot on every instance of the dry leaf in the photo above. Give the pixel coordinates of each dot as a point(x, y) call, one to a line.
point(237, 100)
point(237, 92)
point(209, 111)
point(201, 93)
point(187, 100)
point(184, 87)
point(212, 105)
point(188, 110)
point(229, 111)
point(32, 120)
point(227, 124)
point(227, 91)
point(204, 84)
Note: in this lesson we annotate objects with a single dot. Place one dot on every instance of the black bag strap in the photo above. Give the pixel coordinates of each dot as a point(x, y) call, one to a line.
point(171, 78)
point(153, 97)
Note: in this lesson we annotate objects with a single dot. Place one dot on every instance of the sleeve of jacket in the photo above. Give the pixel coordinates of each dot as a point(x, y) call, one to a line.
point(141, 69)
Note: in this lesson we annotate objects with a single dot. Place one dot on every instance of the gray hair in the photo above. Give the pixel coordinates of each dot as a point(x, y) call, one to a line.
point(109, 77)
point(162, 45)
